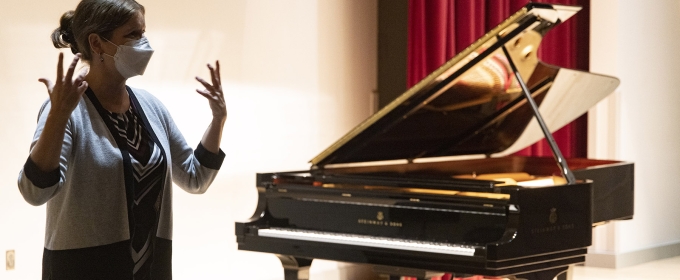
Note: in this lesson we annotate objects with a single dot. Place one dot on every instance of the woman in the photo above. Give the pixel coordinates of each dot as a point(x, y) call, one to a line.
point(104, 155)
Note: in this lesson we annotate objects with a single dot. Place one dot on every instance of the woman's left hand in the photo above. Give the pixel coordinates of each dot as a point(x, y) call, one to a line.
point(213, 92)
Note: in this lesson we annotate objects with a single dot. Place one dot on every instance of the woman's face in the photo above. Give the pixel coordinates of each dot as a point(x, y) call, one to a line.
point(132, 30)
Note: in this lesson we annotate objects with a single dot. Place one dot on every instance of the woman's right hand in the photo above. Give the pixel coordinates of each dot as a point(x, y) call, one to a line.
point(64, 96)
point(66, 92)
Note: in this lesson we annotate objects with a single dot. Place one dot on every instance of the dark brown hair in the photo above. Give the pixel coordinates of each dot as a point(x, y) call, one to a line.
point(92, 16)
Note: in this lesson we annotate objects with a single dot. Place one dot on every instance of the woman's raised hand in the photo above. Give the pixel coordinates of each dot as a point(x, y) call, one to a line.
point(213, 92)
point(64, 96)
point(66, 92)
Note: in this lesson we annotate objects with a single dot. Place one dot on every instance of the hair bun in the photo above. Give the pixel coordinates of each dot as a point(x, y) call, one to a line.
point(62, 37)
point(67, 36)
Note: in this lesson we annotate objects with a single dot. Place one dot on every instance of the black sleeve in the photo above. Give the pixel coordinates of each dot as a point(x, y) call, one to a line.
point(39, 178)
point(208, 159)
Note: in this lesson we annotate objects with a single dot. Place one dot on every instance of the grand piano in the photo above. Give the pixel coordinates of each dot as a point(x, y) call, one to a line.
point(429, 183)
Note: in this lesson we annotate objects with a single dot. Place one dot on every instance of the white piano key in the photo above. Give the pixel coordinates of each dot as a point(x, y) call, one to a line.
point(368, 241)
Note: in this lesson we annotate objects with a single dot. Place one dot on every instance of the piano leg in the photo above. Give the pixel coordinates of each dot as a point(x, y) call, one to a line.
point(295, 268)
point(399, 277)
point(544, 275)
point(567, 275)
point(396, 273)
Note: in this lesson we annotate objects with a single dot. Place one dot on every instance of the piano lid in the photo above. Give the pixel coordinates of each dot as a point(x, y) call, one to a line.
point(473, 104)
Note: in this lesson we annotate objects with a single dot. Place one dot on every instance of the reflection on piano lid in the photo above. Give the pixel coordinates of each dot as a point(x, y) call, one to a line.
point(429, 211)
point(473, 105)
point(516, 179)
point(412, 191)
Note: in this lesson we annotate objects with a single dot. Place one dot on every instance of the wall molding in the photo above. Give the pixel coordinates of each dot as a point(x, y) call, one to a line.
point(609, 260)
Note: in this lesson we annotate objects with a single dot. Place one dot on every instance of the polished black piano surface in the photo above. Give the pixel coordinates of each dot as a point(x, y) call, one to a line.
point(429, 185)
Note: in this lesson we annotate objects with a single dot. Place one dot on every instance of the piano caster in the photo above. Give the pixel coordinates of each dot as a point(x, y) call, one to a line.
point(295, 268)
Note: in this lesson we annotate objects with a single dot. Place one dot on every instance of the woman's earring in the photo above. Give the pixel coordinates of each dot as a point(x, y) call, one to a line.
point(101, 58)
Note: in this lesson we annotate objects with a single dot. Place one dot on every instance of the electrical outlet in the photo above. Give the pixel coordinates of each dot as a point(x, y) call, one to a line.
point(9, 260)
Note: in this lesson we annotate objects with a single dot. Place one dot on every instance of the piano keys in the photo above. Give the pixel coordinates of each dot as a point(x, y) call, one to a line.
point(371, 241)
point(429, 185)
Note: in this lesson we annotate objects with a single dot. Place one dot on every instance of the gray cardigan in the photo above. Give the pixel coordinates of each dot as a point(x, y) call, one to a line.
point(87, 206)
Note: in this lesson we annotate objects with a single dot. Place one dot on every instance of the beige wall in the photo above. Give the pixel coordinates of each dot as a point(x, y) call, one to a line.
point(298, 75)
point(637, 41)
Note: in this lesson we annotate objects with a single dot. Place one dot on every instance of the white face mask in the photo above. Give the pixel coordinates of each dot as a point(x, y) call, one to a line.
point(132, 58)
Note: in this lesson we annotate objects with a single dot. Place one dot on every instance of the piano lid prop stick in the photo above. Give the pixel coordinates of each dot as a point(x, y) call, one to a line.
point(561, 162)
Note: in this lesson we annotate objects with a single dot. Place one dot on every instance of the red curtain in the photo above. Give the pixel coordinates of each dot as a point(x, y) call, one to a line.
point(438, 29)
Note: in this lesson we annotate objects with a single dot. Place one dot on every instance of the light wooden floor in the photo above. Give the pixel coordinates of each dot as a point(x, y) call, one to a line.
point(665, 269)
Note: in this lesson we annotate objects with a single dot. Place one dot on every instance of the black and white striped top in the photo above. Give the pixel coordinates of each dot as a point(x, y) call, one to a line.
point(148, 166)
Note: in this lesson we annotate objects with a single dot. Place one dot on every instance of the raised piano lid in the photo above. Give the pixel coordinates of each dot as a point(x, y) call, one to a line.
point(473, 105)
